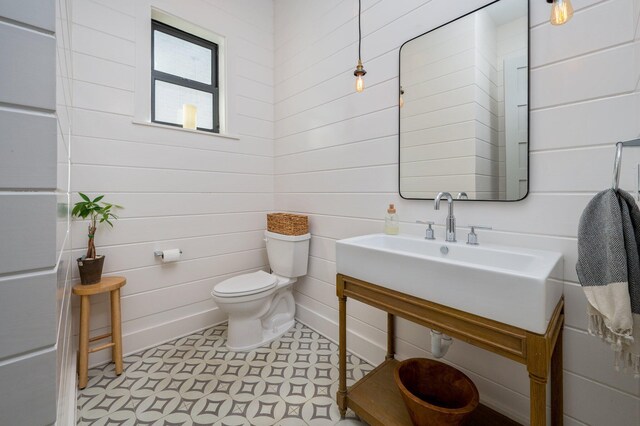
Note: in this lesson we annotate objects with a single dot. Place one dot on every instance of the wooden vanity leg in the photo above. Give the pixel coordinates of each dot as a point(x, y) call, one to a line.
point(342, 357)
point(538, 367)
point(391, 336)
point(557, 409)
point(538, 388)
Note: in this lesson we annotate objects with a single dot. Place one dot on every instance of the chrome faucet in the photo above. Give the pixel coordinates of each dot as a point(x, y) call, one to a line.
point(450, 232)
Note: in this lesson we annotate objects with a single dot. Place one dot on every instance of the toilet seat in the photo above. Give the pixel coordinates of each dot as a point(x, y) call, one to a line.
point(245, 285)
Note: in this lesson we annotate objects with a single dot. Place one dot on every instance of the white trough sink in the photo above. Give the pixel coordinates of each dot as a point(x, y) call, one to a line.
point(507, 284)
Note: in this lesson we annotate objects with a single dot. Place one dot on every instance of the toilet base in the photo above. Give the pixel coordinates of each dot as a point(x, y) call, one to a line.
point(268, 337)
point(260, 321)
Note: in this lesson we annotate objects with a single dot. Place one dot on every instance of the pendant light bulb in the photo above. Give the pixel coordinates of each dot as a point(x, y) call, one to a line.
point(561, 12)
point(359, 84)
point(359, 73)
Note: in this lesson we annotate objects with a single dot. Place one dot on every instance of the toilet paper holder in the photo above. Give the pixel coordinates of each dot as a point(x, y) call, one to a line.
point(160, 253)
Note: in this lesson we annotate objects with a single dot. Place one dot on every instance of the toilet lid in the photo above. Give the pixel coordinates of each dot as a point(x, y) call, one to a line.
point(246, 284)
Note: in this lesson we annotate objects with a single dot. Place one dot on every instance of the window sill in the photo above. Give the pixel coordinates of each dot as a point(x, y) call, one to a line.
point(180, 129)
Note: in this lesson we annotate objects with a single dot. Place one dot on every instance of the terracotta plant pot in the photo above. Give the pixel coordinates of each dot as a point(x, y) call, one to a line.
point(435, 393)
point(90, 269)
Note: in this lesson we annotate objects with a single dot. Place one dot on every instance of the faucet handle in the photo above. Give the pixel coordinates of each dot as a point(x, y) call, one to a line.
point(472, 237)
point(429, 235)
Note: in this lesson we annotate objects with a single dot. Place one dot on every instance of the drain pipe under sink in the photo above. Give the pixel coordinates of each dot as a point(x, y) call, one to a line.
point(440, 343)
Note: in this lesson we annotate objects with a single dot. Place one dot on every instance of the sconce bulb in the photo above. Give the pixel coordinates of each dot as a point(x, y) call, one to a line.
point(561, 11)
point(359, 84)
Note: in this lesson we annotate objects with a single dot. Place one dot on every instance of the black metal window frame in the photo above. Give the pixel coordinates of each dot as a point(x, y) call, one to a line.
point(185, 82)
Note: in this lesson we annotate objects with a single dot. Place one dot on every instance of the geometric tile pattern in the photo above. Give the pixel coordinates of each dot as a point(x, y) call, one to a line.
point(195, 380)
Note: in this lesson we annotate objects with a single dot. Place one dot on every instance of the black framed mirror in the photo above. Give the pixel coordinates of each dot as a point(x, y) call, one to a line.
point(464, 107)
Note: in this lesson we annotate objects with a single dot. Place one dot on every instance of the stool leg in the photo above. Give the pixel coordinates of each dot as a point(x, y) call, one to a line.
point(83, 350)
point(116, 330)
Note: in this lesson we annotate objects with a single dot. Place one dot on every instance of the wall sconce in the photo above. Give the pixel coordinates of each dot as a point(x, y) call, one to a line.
point(401, 103)
point(561, 11)
point(189, 114)
point(359, 72)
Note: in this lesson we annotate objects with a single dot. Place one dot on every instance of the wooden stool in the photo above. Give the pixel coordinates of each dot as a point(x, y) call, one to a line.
point(111, 284)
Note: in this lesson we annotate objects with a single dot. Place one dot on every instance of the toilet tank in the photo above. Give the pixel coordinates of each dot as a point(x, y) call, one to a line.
point(288, 254)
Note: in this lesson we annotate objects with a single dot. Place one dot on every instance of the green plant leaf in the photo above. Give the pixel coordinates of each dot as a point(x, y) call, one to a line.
point(94, 210)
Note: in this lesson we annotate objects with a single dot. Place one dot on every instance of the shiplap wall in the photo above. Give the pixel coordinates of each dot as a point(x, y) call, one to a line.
point(202, 193)
point(336, 160)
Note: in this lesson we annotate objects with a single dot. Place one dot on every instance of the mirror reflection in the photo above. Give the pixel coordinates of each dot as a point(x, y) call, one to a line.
point(464, 113)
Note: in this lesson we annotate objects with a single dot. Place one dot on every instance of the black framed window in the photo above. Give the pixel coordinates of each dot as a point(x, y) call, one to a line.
point(184, 70)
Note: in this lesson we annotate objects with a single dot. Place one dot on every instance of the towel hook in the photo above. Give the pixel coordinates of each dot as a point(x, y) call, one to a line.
point(616, 166)
point(618, 160)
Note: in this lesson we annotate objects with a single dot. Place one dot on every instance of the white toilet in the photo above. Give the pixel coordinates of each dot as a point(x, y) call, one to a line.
point(260, 305)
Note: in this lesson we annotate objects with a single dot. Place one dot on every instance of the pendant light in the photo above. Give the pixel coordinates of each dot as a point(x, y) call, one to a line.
point(561, 11)
point(359, 72)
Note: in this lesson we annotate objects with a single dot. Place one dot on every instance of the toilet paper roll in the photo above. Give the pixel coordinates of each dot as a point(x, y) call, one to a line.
point(171, 255)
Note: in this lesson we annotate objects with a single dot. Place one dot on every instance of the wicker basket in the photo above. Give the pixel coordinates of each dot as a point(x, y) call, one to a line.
point(287, 224)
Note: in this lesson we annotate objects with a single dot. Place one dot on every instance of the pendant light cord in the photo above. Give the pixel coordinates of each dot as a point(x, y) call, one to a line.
point(359, 30)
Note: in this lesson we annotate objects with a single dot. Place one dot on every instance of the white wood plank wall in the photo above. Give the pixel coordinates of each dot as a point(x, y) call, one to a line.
point(308, 143)
point(204, 194)
point(336, 160)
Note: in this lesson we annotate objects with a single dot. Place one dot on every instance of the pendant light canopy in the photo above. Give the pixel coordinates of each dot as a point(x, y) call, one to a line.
point(359, 72)
point(561, 11)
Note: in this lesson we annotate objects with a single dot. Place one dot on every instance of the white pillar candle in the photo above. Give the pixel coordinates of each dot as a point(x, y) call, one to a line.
point(189, 113)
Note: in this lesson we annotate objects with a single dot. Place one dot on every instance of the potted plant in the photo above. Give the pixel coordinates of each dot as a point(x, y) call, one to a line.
point(90, 265)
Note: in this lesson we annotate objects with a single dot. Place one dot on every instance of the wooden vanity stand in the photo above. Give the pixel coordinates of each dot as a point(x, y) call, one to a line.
point(376, 398)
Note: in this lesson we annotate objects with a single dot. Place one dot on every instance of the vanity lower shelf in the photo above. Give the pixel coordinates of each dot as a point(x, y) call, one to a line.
point(377, 400)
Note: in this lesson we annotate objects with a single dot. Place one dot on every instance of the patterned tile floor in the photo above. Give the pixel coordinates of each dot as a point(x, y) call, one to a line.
point(195, 380)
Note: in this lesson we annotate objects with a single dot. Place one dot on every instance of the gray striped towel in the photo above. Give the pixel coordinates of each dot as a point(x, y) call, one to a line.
point(609, 272)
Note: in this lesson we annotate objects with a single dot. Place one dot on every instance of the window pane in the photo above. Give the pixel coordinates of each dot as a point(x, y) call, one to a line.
point(179, 57)
point(169, 101)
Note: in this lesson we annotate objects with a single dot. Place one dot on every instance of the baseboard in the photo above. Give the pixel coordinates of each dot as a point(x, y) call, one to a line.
point(141, 340)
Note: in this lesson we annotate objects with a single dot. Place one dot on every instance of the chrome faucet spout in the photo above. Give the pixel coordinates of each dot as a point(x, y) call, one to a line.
point(440, 196)
point(450, 232)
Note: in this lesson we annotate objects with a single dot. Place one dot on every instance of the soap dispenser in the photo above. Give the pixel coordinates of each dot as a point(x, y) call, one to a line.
point(391, 221)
